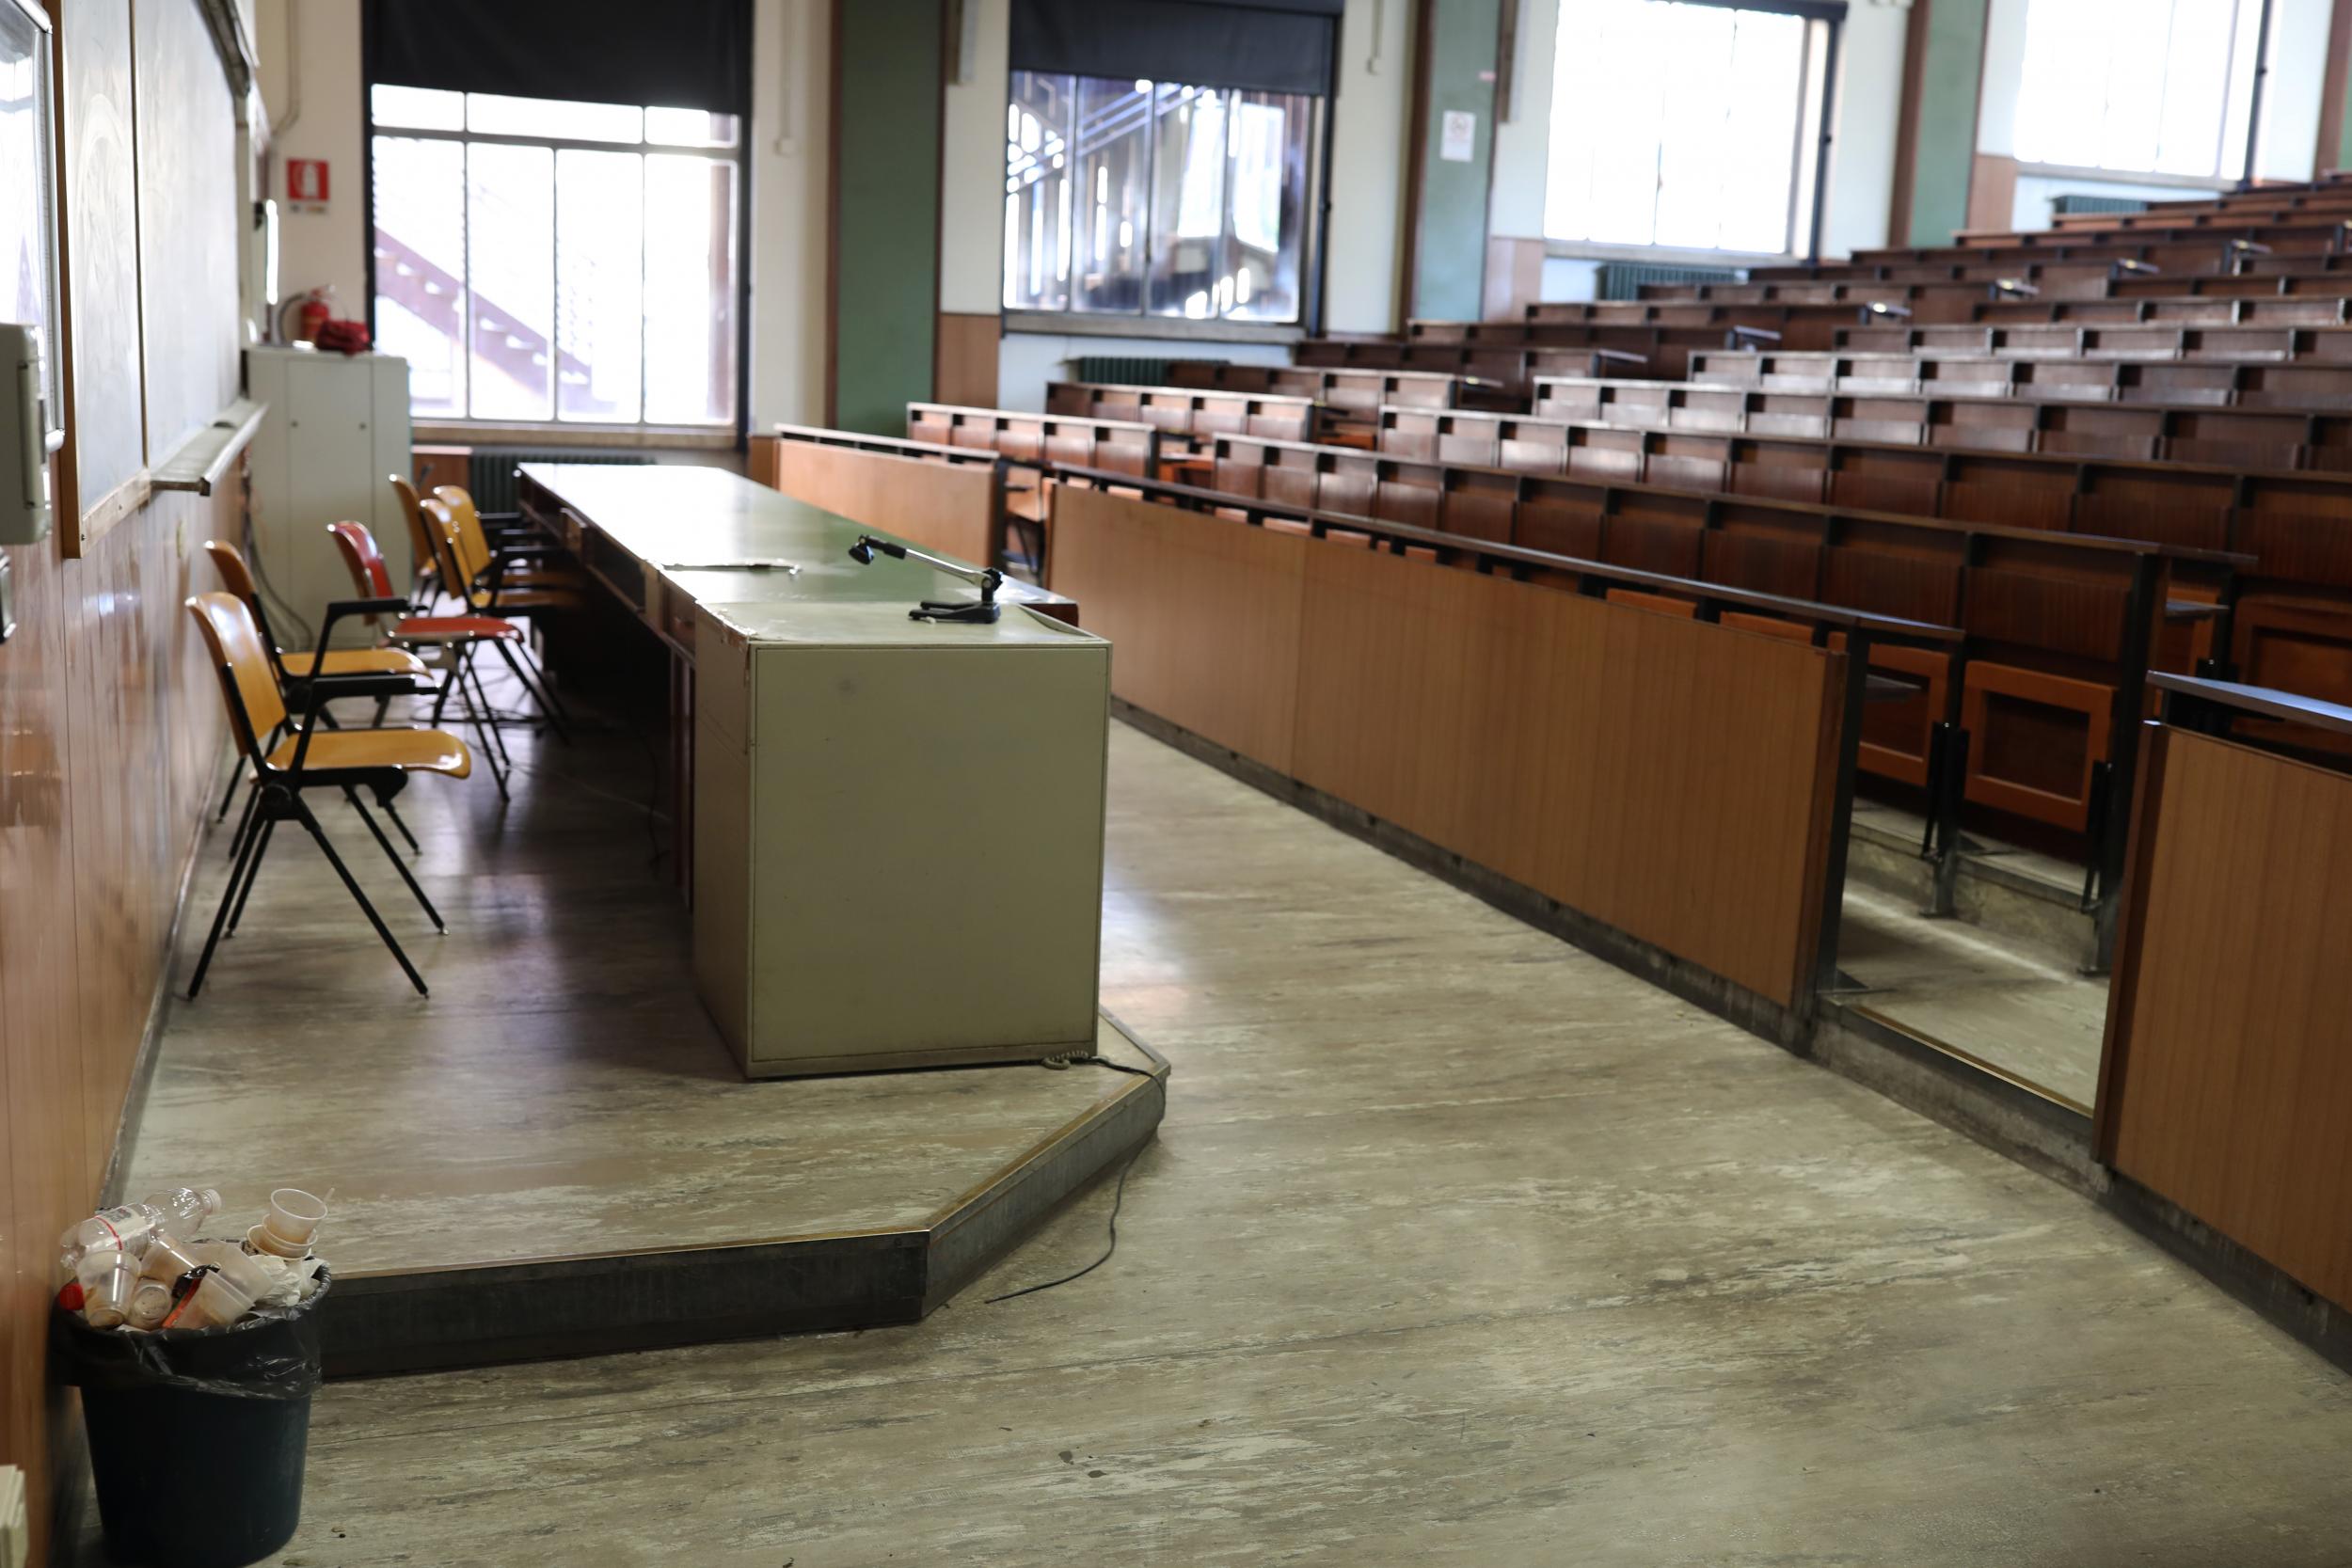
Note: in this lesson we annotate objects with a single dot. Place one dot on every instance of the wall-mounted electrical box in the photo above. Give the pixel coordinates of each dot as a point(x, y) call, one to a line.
point(24, 438)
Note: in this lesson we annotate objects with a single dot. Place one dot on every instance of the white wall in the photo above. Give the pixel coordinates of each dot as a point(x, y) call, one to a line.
point(1523, 151)
point(1026, 361)
point(310, 80)
point(792, 149)
point(972, 170)
point(1370, 143)
point(1868, 111)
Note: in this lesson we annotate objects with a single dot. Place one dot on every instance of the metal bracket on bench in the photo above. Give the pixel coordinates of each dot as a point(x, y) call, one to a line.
point(1948, 783)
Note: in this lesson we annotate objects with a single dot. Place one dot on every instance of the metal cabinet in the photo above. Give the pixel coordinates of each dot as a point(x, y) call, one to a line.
point(338, 425)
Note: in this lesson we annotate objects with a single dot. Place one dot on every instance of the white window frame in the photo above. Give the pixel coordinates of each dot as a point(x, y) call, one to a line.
point(562, 432)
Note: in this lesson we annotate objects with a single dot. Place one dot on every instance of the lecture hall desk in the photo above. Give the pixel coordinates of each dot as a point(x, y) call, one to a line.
point(896, 825)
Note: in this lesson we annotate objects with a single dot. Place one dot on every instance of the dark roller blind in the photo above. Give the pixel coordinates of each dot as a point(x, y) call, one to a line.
point(1263, 45)
point(679, 55)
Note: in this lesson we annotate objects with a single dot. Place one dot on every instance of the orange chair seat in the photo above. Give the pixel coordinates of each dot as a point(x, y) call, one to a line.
point(410, 750)
point(453, 628)
point(353, 661)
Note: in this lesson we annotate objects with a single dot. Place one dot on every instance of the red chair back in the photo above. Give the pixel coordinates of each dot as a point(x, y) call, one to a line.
point(370, 576)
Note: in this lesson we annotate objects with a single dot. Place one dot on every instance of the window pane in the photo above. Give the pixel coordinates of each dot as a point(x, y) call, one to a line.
point(689, 128)
point(1112, 186)
point(510, 253)
point(1270, 135)
point(690, 289)
point(2135, 85)
point(600, 284)
point(417, 108)
point(1038, 244)
point(1704, 157)
point(1188, 201)
point(420, 267)
point(495, 116)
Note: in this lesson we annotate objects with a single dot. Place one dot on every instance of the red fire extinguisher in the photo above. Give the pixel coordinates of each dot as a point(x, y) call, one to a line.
point(317, 310)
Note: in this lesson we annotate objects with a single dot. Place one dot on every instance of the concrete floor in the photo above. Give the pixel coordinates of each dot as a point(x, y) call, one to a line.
point(1457, 1245)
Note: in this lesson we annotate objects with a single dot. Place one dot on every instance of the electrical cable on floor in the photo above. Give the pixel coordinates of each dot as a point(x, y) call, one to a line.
point(1118, 1194)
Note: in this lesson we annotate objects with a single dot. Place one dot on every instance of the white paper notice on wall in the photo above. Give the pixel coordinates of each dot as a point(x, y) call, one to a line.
point(1457, 140)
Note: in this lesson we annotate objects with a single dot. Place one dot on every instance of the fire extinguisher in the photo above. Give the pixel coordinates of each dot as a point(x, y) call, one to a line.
point(317, 309)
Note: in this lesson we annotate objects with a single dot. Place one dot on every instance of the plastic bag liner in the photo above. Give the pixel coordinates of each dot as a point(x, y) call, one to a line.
point(197, 1436)
point(272, 1357)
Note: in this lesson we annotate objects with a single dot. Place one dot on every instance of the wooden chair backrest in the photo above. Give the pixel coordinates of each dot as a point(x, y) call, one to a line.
point(458, 566)
point(370, 577)
point(420, 543)
point(464, 522)
point(235, 645)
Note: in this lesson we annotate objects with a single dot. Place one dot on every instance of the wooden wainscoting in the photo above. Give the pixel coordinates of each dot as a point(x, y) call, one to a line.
point(1667, 777)
point(111, 734)
point(953, 509)
point(965, 372)
point(2227, 1087)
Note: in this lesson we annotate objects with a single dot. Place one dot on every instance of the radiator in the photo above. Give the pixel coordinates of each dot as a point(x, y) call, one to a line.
point(2076, 201)
point(1623, 279)
point(1119, 370)
point(490, 474)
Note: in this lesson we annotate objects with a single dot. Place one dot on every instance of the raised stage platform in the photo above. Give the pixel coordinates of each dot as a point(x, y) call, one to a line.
point(554, 1153)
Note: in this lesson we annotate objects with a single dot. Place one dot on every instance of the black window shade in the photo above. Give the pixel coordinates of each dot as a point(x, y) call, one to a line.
point(680, 54)
point(1258, 45)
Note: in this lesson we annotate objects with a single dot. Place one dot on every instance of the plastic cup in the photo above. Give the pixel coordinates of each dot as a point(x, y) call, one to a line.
point(294, 1216)
point(215, 1304)
point(260, 1240)
point(150, 1303)
point(108, 1280)
point(248, 1277)
point(166, 1259)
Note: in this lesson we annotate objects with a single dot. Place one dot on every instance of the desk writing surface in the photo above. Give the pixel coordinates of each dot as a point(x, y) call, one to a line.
point(702, 527)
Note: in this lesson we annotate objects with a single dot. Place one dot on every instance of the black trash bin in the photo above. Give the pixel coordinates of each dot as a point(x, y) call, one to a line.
point(197, 1436)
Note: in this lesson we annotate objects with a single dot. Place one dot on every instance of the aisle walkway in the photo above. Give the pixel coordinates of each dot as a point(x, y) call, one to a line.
point(1457, 1246)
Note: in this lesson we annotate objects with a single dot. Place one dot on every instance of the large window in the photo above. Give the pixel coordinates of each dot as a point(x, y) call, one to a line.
point(1687, 125)
point(1153, 198)
point(2150, 86)
point(540, 262)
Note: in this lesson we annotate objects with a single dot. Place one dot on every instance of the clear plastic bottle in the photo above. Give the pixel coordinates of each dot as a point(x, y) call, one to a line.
point(126, 1229)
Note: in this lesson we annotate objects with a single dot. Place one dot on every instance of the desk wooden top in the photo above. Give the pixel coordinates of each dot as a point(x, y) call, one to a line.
point(719, 539)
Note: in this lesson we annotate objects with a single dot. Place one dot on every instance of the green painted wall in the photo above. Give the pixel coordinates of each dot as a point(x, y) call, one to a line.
point(1450, 237)
point(886, 232)
point(1946, 145)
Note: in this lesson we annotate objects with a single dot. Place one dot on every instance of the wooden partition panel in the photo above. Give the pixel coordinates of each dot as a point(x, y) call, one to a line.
point(1671, 778)
point(954, 509)
point(2228, 1082)
point(1202, 614)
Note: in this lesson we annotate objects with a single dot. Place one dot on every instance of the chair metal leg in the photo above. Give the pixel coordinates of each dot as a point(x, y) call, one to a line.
point(537, 657)
point(539, 692)
point(393, 855)
point(220, 919)
point(252, 873)
point(449, 674)
point(245, 823)
point(351, 883)
point(393, 812)
point(487, 726)
point(461, 660)
point(236, 773)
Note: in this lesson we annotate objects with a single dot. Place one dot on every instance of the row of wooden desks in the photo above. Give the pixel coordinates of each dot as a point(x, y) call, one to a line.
point(895, 826)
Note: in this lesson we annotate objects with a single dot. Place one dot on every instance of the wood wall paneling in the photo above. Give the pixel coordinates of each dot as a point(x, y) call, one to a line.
point(966, 371)
point(2229, 1072)
point(110, 722)
point(1992, 191)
